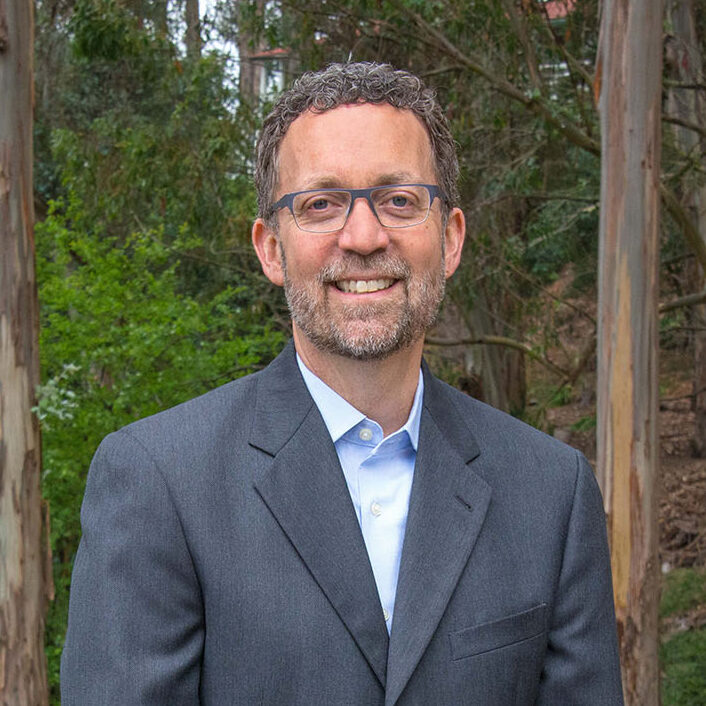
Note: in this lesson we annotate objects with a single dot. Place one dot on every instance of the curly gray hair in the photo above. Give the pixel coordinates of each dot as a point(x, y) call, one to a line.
point(343, 84)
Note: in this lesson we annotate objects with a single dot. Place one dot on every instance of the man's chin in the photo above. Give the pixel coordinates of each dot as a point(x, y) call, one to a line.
point(366, 332)
point(363, 342)
point(364, 351)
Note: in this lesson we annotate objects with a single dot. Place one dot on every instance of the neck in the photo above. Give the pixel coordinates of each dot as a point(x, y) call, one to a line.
point(383, 390)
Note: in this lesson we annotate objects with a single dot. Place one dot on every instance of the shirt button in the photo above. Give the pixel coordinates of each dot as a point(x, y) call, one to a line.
point(376, 509)
point(386, 614)
point(365, 434)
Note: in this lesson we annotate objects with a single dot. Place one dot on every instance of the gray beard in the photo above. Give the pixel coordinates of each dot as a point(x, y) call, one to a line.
point(308, 306)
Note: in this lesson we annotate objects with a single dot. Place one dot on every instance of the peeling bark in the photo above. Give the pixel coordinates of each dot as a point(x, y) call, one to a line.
point(627, 440)
point(22, 557)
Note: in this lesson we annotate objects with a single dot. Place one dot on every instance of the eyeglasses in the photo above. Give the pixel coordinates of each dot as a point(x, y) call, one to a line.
point(327, 210)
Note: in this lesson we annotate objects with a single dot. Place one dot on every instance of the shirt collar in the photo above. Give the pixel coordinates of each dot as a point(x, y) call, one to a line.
point(340, 416)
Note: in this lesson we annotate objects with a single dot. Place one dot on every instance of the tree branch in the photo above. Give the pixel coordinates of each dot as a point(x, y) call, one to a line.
point(688, 300)
point(535, 103)
point(565, 302)
point(441, 70)
point(502, 341)
point(671, 83)
point(572, 62)
point(532, 196)
point(539, 196)
point(684, 123)
point(519, 23)
point(691, 233)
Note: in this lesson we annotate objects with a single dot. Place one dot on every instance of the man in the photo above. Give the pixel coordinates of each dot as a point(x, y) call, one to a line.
point(343, 528)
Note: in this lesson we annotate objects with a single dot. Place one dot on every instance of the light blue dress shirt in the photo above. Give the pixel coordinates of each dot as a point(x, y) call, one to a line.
point(378, 472)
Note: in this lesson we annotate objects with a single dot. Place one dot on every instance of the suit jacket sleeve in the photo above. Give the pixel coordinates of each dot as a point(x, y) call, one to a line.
point(135, 631)
point(582, 665)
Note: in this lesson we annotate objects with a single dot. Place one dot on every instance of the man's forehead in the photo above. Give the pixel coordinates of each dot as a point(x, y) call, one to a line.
point(391, 144)
point(353, 113)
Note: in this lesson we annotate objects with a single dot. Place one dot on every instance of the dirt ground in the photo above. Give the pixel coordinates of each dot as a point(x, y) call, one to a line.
point(682, 487)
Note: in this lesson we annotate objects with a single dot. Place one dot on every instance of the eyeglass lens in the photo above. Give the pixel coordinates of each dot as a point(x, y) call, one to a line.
point(395, 207)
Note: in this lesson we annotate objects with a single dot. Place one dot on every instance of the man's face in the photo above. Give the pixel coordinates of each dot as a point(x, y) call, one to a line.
point(364, 291)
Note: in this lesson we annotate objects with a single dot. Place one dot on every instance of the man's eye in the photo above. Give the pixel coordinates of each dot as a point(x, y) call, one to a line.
point(399, 201)
point(320, 203)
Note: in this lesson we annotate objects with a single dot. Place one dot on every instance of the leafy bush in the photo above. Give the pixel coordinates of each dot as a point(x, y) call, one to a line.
point(683, 654)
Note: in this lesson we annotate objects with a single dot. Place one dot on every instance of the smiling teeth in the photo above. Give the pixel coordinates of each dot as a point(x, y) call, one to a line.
point(362, 286)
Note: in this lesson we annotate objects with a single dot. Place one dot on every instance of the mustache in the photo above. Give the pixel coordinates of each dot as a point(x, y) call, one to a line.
point(378, 264)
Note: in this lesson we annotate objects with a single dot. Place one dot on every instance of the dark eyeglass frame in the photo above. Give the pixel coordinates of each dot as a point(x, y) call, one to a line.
point(287, 201)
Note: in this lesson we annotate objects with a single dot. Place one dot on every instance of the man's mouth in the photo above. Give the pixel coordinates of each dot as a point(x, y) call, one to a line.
point(363, 286)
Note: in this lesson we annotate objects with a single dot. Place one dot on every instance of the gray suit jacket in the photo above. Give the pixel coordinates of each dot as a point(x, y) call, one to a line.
point(222, 563)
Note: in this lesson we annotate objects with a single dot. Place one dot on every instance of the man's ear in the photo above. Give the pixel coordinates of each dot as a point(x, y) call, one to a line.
point(454, 236)
point(266, 245)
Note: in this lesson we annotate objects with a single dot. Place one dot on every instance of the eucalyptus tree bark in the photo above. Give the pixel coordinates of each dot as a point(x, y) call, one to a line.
point(23, 678)
point(192, 38)
point(628, 450)
point(688, 105)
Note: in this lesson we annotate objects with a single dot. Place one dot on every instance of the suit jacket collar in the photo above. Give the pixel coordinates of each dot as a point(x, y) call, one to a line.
point(447, 508)
point(282, 403)
point(305, 469)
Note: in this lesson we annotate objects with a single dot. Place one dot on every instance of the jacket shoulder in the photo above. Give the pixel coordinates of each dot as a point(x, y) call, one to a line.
point(196, 423)
point(490, 425)
point(517, 460)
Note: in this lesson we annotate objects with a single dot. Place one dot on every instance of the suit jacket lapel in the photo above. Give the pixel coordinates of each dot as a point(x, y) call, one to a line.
point(446, 511)
point(306, 492)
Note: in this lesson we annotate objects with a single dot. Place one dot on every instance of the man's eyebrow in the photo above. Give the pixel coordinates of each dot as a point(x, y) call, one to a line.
point(324, 182)
point(327, 181)
point(396, 178)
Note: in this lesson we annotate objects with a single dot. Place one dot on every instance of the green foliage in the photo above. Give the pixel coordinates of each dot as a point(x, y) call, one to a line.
point(684, 669)
point(186, 172)
point(683, 590)
point(119, 341)
point(585, 423)
point(55, 399)
point(683, 655)
point(150, 293)
point(560, 232)
point(101, 30)
point(560, 396)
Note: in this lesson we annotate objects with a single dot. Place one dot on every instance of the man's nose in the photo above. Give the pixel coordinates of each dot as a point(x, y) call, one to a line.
point(363, 232)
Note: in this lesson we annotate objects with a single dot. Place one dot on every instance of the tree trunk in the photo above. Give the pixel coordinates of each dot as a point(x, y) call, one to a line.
point(248, 44)
point(23, 678)
point(161, 17)
point(686, 66)
point(630, 49)
point(193, 29)
point(501, 371)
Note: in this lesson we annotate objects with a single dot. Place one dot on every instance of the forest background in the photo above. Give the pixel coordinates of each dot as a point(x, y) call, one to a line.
point(146, 116)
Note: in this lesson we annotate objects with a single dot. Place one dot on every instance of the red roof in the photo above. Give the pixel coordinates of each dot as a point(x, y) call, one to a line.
point(270, 53)
point(558, 9)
